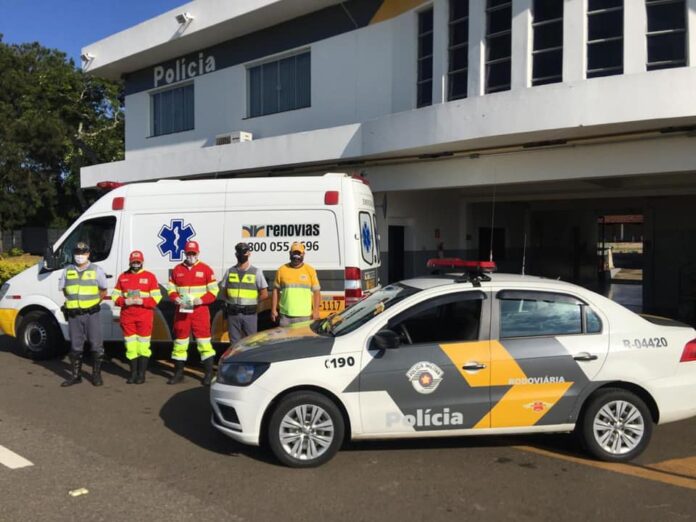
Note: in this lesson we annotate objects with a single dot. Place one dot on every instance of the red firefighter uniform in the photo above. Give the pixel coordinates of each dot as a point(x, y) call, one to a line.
point(136, 320)
point(188, 283)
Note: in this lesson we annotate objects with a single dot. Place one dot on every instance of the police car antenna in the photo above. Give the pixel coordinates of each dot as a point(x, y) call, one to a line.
point(490, 251)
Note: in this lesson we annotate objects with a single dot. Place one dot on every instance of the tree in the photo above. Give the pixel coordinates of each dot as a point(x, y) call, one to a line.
point(54, 119)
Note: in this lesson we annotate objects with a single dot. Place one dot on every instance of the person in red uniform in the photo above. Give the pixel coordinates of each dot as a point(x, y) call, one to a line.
point(137, 293)
point(193, 288)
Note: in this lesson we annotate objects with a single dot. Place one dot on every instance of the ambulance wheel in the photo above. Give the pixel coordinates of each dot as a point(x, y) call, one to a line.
point(616, 425)
point(39, 337)
point(305, 430)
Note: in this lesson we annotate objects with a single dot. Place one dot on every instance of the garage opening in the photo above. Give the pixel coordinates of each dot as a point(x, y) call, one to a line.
point(620, 258)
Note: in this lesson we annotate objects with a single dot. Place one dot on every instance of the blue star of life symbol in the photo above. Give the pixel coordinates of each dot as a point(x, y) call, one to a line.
point(174, 237)
point(366, 238)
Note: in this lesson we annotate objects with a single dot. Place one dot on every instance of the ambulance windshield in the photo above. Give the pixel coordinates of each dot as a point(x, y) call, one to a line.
point(363, 311)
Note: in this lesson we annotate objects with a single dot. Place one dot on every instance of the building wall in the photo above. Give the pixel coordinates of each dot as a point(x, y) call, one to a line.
point(356, 76)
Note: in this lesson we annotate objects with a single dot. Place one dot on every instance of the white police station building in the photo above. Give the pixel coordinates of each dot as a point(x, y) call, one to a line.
point(513, 125)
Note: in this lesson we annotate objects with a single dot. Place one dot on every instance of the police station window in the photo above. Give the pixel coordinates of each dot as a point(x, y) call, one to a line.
point(498, 45)
point(172, 110)
point(604, 37)
point(535, 315)
point(279, 86)
point(424, 96)
point(451, 318)
point(98, 233)
point(666, 33)
point(457, 74)
point(547, 54)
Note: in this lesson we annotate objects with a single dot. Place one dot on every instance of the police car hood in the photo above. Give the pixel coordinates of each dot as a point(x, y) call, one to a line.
point(282, 344)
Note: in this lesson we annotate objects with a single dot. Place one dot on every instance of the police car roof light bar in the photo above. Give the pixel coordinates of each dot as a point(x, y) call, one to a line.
point(455, 262)
point(474, 271)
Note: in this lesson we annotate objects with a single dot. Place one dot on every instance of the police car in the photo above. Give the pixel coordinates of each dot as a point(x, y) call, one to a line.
point(471, 353)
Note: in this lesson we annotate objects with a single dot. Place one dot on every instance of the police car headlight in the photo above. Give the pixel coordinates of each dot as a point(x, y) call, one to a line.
point(240, 374)
point(3, 290)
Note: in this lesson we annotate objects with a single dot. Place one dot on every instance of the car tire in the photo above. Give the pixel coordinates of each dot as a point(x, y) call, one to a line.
point(39, 337)
point(312, 442)
point(616, 425)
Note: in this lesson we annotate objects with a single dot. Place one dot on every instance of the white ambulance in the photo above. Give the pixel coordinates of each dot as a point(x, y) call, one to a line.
point(333, 215)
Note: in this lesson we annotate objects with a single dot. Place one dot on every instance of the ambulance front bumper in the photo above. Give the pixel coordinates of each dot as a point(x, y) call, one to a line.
point(8, 319)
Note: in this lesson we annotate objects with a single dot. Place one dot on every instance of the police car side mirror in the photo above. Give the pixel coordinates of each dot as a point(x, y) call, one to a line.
point(385, 340)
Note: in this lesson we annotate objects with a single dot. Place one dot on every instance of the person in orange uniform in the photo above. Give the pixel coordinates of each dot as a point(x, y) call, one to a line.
point(193, 288)
point(137, 293)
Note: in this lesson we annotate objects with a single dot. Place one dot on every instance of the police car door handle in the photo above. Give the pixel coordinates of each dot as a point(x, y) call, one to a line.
point(585, 356)
point(108, 276)
point(473, 365)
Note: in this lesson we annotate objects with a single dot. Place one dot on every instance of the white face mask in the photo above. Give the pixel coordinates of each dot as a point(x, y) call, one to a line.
point(191, 260)
point(80, 259)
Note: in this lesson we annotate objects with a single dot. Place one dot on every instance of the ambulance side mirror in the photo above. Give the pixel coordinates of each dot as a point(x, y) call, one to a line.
point(385, 340)
point(50, 261)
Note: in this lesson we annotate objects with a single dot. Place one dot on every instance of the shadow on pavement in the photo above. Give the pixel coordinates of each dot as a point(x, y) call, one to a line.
point(561, 443)
point(187, 414)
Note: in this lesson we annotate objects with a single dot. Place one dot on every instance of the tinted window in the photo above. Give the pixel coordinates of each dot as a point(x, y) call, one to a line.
point(458, 49)
point(498, 45)
point(594, 323)
point(604, 38)
point(98, 233)
point(451, 318)
point(666, 33)
point(172, 110)
point(533, 317)
point(425, 59)
point(279, 86)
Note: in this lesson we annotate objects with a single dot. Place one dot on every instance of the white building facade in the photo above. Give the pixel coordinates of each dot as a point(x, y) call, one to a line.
point(506, 125)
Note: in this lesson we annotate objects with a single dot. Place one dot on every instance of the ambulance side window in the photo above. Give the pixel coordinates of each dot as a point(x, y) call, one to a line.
point(98, 233)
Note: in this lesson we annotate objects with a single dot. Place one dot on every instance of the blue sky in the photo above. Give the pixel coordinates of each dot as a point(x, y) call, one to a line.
point(69, 25)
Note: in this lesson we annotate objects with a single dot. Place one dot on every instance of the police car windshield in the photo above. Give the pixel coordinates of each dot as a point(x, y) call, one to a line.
point(363, 311)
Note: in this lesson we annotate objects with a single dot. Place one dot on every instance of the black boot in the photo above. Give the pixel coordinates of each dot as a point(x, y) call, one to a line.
point(97, 359)
point(178, 373)
point(75, 369)
point(208, 366)
point(133, 379)
point(142, 367)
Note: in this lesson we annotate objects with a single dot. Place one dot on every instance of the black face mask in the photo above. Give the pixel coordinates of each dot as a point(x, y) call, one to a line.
point(136, 266)
point(242, 258)
point(296, 258)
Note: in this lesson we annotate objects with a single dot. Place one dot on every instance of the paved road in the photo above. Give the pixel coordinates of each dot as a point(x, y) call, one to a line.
point(148, 452)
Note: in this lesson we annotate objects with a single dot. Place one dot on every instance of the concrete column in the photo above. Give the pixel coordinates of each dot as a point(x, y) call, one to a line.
point(477, 45)
point(635, 45)
point(574, 40)
point(691, 32)
point(521, 44)
point(440, 44)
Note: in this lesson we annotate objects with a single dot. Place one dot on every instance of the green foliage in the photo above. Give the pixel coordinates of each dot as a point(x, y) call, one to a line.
point(54, 119)
point(10, 268)
point(15, 252)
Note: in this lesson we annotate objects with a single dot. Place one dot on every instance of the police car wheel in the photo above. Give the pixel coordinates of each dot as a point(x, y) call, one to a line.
point(39, 336)
point(616, 425)
point(305, 430)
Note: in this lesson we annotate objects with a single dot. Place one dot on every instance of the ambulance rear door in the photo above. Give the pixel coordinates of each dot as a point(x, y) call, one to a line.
point(361, 223)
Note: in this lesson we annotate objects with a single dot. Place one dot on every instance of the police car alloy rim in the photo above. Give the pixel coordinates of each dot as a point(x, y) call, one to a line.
point(306, 432)
point(35, 336)
point(618, 427)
